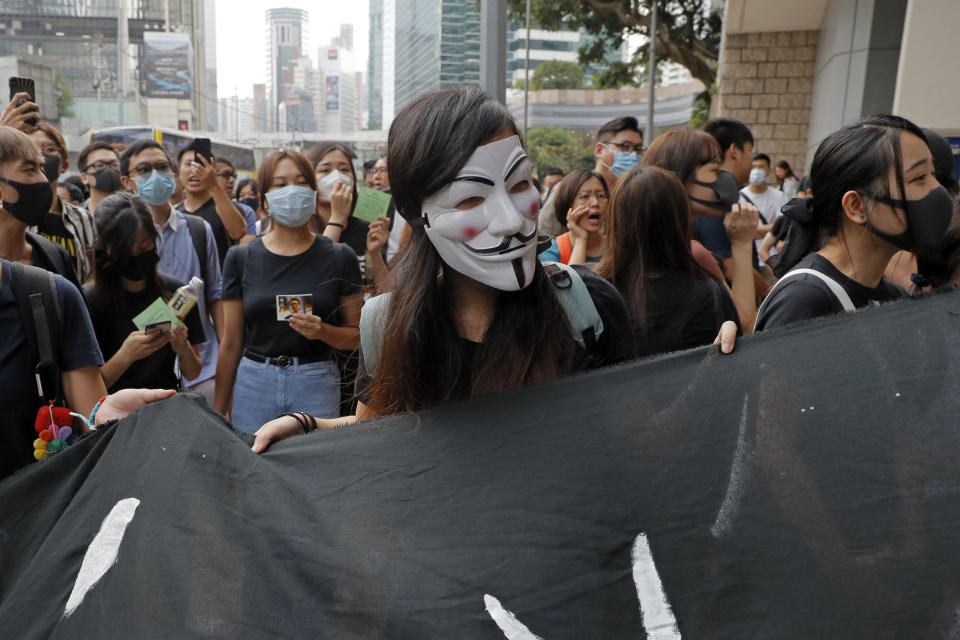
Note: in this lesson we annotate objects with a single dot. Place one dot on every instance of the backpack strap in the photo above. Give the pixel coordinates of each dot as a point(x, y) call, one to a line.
point(373, 321)
point(565, 247)
point(577, 303)
point(838, 292)
point(198, 233)
point(36, 292)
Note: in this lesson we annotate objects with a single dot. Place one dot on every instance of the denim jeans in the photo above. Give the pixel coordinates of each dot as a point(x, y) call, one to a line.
point(263, 391)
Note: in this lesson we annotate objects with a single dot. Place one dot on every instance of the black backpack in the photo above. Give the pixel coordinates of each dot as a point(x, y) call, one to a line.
point(36, 292)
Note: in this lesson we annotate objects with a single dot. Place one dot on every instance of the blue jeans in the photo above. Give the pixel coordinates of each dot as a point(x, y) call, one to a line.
point(263, 391)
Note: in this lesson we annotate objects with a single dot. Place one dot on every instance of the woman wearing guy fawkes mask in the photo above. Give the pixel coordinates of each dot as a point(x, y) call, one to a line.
point(473, 311)
point(875, 193)
point(271, 363)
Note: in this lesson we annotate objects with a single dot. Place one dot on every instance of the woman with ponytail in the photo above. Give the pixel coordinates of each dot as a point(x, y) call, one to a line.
point(875, 194)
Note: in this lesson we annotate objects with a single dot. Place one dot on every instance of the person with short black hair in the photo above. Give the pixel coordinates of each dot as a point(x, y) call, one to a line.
point(617, 150)
point(368, 168)
point(875, 193)
point(207, 199)
point(67, 224)
point(187, 247)
point(550, 178)
point(736, 158)
point(70, 192)
point(127, 283)
point(99, 164)
point(26, 201)
point(227, 177)
point(767, 199)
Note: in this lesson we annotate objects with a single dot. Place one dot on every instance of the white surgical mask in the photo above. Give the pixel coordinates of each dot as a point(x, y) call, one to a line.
point(325, 184)
point(757, 177)
point(494, 242)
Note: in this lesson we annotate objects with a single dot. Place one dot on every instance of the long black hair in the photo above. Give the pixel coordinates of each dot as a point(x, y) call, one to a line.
point(529, 338)
point(119, 217)
point(857, 157)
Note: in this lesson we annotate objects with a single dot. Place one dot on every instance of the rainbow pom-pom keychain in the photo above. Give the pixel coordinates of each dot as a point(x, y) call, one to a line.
point(54, 426)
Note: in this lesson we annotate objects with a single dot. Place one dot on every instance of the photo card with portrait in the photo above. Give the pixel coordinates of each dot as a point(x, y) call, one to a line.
point(291, 303)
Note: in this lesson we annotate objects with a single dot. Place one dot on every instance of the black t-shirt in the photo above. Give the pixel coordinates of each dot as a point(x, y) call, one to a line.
point(614, 345)
point(53, 229)
point(355, 237)
point(156, 371)
point(18, 391)
point(208, 211)
point(52, 257)
point(806, 296)
point(314, 272)
point(683, 311)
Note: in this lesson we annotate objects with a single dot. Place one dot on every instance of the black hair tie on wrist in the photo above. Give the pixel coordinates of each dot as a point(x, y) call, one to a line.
point(335, 224)
point(299, 418)
point(310, 421)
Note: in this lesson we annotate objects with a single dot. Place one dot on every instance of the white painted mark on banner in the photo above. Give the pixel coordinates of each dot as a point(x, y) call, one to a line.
point(512, 628)
point(658, 620)
point(102, 552)
point(731, 501)
point(655, 611)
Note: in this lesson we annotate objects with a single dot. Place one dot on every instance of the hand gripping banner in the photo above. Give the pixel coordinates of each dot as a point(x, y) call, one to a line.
point(805, 486)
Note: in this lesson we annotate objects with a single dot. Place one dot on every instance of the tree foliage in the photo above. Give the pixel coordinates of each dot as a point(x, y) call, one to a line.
point(687, 33)
point(550, 147)
point(64, 97)
point(557, 74)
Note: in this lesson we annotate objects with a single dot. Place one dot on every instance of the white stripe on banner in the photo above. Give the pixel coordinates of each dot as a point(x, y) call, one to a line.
point(512, 628)
point(658, 620)
point(731, 501)
point(102, 552)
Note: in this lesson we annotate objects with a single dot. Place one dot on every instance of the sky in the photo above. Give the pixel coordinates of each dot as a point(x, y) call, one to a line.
point(241, 31)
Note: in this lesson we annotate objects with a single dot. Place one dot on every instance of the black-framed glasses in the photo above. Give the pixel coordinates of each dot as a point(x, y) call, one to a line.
point(626, 147)
point(100, 165)
point(143, 169)
point(227, 174)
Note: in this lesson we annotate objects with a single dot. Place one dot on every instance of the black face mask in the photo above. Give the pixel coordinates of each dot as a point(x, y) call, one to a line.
point(51, 166)
point(927, 220)
point(34, 202)
point(250, 202)
point(726, 188)
point(140, 267)
point(107, 180)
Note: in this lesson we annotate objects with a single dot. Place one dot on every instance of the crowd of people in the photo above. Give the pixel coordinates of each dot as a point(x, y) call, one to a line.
point(478, 279)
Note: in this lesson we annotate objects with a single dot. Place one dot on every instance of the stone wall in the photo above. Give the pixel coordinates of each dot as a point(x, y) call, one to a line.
point(766, 82)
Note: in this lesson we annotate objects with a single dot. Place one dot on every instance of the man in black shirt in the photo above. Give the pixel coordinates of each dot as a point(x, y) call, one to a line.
point(25, 198)
point(207, 199)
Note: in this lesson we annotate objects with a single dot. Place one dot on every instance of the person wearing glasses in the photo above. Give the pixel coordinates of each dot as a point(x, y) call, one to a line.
point(227, 177)
point(148, 170)
point(581, 206)
point(617, 150)
point(66, 224)
point(99, 166)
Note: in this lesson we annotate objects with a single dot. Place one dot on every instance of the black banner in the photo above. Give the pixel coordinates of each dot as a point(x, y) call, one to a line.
point(806, 486)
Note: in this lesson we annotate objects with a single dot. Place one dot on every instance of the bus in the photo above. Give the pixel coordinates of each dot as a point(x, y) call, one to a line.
point(240, 155)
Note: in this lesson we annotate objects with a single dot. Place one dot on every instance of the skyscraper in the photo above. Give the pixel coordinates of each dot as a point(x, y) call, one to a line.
point(79, 41)
point(286, 30)
point(341, 107)
point(417, 46)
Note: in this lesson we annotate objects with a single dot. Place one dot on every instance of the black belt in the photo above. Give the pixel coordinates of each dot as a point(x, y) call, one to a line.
point(281, 361)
